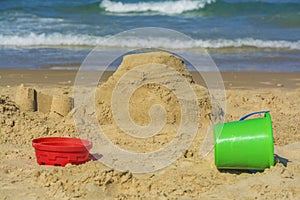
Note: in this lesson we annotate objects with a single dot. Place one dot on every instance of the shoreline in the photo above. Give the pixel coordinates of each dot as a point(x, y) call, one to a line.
point(232, 80)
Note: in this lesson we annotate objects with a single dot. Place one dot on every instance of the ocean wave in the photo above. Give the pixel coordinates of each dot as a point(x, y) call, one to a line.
point(54, 39)
point(201, 7)
point(58, 39)
point(167, 7)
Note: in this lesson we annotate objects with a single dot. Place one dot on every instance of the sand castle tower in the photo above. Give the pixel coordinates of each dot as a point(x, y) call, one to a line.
point(26, 98)
point(61, 106)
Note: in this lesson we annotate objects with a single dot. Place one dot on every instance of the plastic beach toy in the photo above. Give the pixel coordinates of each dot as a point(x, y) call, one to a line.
point(59, 151)
point(245, 144)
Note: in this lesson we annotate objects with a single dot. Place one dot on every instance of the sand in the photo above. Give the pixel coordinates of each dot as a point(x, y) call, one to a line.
point(190, 177)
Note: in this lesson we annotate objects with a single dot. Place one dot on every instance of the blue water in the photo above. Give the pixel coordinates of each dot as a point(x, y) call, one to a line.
point(241, 35)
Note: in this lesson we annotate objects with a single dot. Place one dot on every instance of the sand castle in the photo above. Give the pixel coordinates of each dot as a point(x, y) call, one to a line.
point(61, 106)
point(142, 99)
point(147, 95)
point(28, 99)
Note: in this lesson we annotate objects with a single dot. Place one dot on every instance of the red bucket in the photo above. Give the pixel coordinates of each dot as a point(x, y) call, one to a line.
point(59, 151)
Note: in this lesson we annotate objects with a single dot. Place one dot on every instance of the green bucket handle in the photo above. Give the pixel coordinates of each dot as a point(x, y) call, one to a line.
point(254, 113)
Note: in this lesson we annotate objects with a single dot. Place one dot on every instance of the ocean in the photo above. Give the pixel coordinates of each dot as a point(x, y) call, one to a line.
point(240, 35)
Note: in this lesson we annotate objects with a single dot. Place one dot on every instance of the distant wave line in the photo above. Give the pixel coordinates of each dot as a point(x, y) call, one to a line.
point(58, 39)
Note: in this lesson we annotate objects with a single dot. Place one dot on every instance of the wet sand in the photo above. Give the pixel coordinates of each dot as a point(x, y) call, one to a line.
point(232, 80)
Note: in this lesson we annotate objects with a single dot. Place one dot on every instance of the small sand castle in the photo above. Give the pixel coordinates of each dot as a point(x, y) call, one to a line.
point(28, 99)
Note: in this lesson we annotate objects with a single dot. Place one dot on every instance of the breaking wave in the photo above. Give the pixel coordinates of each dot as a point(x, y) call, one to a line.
point(58, 39)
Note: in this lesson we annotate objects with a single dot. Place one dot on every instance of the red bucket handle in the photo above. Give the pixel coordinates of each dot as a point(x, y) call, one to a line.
point(254, 113)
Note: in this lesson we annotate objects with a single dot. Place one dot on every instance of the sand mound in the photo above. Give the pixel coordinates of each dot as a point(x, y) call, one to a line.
point(152, 91)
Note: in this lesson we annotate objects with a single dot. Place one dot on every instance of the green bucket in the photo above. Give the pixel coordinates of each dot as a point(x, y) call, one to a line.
point(245, 144)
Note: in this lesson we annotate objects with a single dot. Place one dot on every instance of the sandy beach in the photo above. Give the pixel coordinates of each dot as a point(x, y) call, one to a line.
point(140, 89)
point(190, 177)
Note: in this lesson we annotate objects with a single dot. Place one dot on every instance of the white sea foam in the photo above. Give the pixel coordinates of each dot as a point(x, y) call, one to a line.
point(164, 7)
point(57, 39)
point(54, 39)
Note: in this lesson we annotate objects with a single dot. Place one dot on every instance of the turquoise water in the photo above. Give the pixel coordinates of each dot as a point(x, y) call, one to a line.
point(240, 35)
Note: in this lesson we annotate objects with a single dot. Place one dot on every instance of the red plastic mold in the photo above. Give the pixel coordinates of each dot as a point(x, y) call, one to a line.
point(59, 151)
